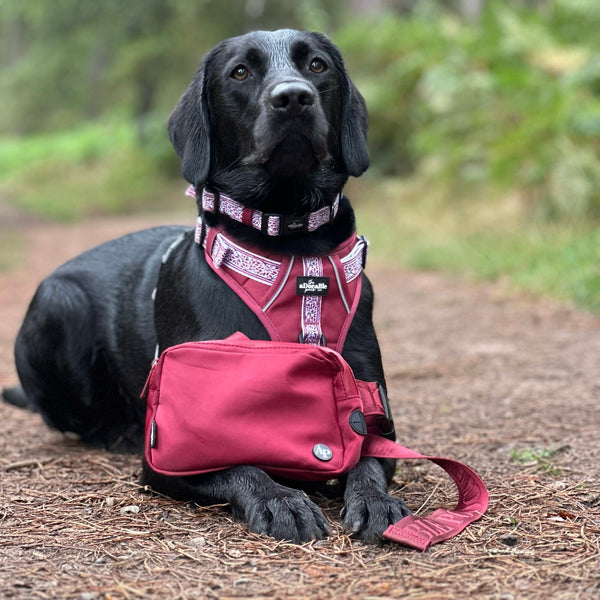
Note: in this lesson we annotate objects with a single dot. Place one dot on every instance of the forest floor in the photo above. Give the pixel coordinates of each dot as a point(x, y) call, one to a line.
point(508, 384)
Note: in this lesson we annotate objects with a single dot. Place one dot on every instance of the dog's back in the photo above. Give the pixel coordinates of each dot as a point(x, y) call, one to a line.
point(93, 308)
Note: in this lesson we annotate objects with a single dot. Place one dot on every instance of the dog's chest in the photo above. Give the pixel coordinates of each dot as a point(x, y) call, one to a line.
point(307, 299)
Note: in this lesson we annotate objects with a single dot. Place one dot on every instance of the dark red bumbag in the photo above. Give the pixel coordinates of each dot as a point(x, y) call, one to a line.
point(292, 409)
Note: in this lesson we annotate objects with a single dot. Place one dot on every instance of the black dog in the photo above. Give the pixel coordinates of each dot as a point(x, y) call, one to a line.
point(272, 120)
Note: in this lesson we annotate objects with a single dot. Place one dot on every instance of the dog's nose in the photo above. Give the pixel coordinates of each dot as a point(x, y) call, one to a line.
point(292, 97)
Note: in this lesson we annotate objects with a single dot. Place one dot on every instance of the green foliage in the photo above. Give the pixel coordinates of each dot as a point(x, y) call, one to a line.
point(90, 142)
point(412, 222)
point(100, 167)
point(537, 456)
point(512, 100)
point(67, 61)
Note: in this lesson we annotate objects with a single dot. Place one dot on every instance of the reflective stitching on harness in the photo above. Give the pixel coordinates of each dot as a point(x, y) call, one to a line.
point(280, 288)
point(339, 284)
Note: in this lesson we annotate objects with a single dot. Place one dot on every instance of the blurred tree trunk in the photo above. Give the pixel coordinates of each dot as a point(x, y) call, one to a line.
point(470, 9)
point(13, 40)
point(97, 68)
point(376, 7)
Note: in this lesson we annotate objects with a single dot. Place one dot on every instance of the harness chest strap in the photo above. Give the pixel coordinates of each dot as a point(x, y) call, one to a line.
point(442, 524)
point(311, 299)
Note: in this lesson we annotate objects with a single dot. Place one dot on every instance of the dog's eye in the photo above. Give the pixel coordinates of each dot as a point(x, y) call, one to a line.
point(240, 73)
point(317, 66)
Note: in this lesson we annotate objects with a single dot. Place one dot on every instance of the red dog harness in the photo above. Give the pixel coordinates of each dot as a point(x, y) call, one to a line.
point(306, 299)
point(310, 299)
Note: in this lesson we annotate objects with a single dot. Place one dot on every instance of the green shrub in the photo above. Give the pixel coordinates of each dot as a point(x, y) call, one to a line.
point(97, 168)
point(512, 100)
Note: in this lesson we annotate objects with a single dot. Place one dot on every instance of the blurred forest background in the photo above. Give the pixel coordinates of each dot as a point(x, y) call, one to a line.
point(484, 121)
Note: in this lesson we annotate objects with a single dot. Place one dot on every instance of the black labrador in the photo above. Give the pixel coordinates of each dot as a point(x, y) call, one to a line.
point(273, 120)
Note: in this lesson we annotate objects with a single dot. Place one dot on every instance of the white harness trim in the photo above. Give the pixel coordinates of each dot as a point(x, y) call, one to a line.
point(243, 261)
point(265, 270)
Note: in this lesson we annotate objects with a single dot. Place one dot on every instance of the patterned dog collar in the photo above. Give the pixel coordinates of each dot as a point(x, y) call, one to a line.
point(271, 224)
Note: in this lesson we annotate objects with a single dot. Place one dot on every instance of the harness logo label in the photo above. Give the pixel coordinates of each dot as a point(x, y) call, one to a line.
point(312, 286)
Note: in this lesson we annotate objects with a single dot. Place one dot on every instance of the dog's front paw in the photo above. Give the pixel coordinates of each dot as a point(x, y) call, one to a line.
point(286, 514)
point(368, 514)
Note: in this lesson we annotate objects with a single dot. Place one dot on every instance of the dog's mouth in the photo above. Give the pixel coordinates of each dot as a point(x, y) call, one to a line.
point(294, 153)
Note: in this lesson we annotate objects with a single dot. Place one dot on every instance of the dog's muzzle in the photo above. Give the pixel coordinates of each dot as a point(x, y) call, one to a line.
point(291, 122)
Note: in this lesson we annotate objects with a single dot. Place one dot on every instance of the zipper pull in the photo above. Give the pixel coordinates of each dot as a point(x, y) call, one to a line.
point(153, 434)
point(144, 393)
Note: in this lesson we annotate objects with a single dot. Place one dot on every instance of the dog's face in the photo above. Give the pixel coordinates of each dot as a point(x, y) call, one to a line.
point(271, 106)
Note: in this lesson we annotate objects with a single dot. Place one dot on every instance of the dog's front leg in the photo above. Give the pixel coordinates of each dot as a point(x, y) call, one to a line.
point(368, 509)
point(268, 507)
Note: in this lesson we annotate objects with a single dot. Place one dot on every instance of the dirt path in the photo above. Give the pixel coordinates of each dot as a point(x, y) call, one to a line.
point(509, 385)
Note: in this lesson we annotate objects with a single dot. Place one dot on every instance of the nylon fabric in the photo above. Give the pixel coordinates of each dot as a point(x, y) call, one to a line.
point(205, 420)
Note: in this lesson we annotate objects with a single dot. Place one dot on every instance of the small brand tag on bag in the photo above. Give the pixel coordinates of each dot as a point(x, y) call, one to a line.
point(312, 286)
point(322, 452)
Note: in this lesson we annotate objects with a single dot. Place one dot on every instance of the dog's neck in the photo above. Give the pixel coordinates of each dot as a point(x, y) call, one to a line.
point(289, 195)
point(290, 199)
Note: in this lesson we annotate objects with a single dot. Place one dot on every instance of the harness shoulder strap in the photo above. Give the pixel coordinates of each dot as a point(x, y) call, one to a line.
point(221, 252)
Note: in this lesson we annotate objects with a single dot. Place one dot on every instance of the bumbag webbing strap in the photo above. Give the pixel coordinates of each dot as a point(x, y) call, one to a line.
point(442, 524)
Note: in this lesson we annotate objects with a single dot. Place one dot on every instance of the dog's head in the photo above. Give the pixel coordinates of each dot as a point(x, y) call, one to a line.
point(271, 107)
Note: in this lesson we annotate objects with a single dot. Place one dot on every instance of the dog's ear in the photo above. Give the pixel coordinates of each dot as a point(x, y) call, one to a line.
point(189, 128)
point(354, 119)
point(354, 129)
